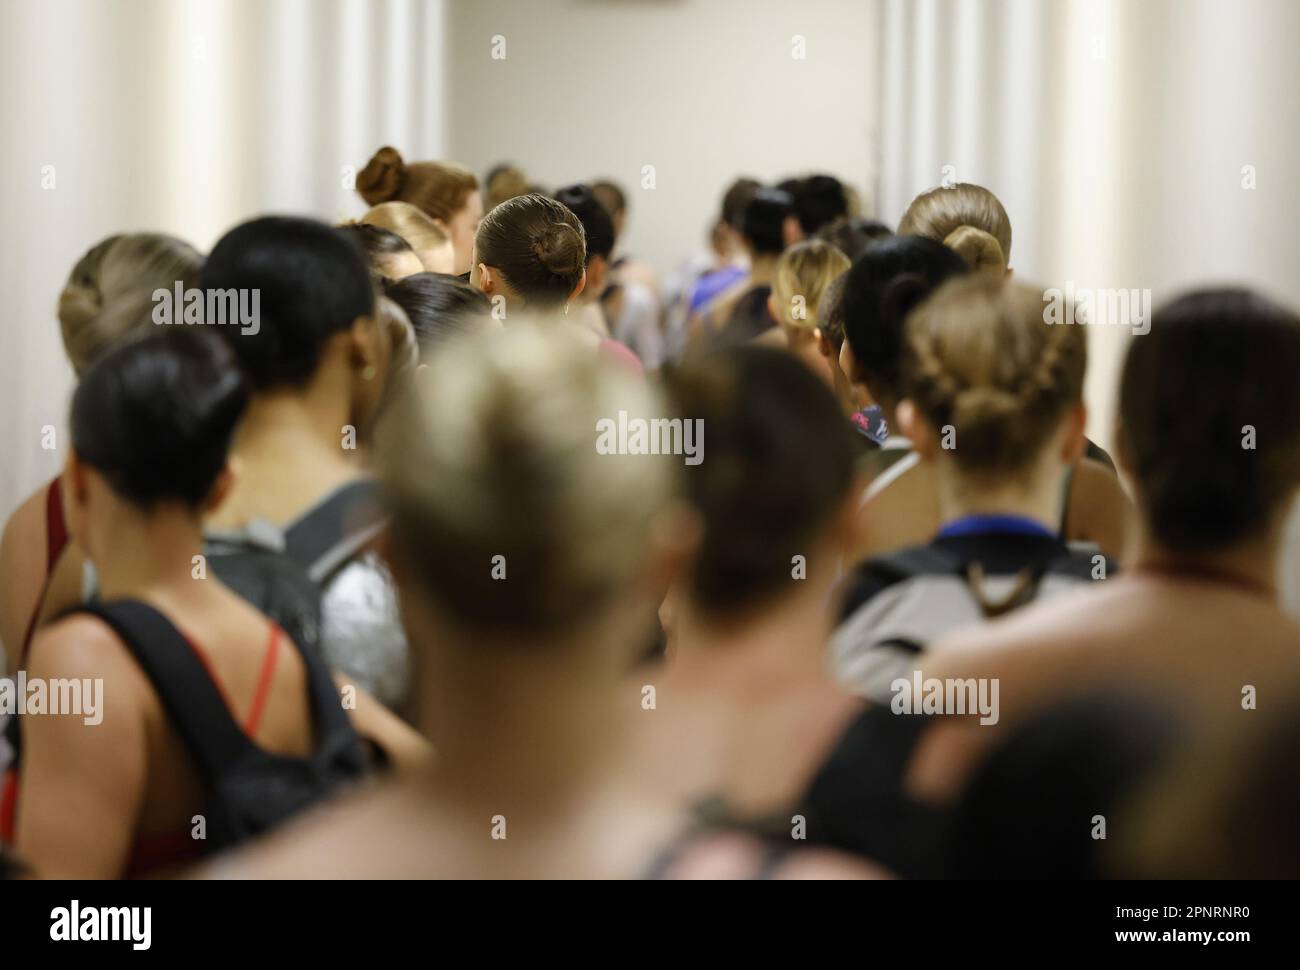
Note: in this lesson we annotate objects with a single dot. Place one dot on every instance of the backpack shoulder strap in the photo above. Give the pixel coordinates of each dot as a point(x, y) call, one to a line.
point(881, 572)
point(914, 561)
point(193, 703)
point(335, 530)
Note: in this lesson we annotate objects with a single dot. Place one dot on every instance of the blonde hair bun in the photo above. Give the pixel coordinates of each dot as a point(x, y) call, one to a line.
point(978, 249)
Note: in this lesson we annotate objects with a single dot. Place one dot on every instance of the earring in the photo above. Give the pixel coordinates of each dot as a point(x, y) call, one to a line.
point(566, 309)
point(368, 372)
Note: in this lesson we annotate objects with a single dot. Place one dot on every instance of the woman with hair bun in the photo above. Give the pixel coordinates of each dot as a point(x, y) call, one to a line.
point(202, 684)
point(1195, 624)
point(965, 217)
point(993, 404)
point(530, 256)
point(529, 564)
point(446, 193)
point(107, 299)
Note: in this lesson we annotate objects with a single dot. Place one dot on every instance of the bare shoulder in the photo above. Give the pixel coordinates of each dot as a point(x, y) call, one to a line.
point(78, 645)
point(902, 513)
point(334, 841)
point(25, 525)
point(1040, 626)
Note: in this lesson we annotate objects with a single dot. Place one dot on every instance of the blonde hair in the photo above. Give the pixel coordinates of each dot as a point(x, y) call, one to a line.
point(495, 454)
point(978, 250)
point(438, 189)
point(506, 183)
point(408, 222)
point(805, 271)
point(110, 290)
point(980, 357)
point(940, 212)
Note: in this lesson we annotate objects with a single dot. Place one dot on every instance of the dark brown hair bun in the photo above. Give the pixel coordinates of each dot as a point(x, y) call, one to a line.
point(560, 249)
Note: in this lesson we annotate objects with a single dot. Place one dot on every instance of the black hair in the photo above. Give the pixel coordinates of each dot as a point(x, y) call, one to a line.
point(889, 279)
point(595, 219)
point(765, 215)
point(539, 246)
point(439, 306)
point(312, 282)
point(1210, 417)
point(818, 200)
point(852, 235)
point(155, 415)
point(377, 243)
point(762, 409)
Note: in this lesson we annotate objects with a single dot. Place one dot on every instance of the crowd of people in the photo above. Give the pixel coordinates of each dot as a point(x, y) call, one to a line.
point(366, 596)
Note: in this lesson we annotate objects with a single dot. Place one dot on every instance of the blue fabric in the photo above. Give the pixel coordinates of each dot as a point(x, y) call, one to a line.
point(970, 525)
point(711, 284)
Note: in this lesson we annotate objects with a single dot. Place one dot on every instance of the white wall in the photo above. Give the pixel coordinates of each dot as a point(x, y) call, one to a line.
point(704, 90)
point(184, 116)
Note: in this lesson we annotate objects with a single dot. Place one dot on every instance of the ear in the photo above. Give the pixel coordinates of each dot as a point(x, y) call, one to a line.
point(849, 363)
point(597, 273)
point(75, 483)
point(824, 346)
point(582, 285)
point(221, 487)
point(362, 341)
point(484, 278)
point(675, 537)
point(791, 231)
point(916, 429)
point(1072, 441)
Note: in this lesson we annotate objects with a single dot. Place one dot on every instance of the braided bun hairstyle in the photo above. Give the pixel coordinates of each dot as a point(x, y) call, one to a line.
point(539, 246)
point(980, 357)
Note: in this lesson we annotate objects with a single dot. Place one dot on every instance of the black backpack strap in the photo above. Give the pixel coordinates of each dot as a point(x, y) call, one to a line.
point(336, 530)
point(881, 572)
point(194, 705)
point(331, 725)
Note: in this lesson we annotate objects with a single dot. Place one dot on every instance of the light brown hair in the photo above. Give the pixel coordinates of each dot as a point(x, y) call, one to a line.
point(806, 270)
point(438, 189)
point(110, 290)
point(940, 212)
point(408, 222)
point(980, 357)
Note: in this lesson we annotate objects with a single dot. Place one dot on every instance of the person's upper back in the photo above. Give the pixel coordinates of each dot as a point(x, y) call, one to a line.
point(895, 606)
